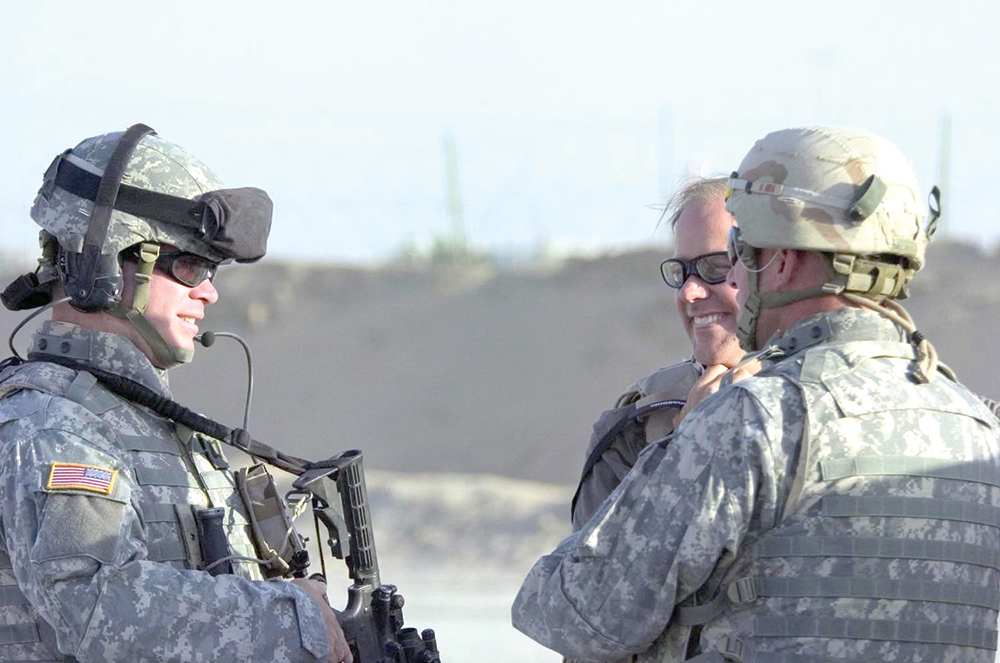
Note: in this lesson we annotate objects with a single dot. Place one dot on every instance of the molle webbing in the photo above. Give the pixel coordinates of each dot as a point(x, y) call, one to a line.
point(899, 549)
point(148, 444)
point(875, 629)
point(981, 471)
point(878, 588)
point(11, 595)
point(911, 507)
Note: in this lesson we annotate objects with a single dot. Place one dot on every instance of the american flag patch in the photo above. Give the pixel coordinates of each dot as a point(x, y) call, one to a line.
point(70, 476)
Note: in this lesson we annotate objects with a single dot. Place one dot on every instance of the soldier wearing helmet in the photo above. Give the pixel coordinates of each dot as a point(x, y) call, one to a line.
point(102, 528)
point(841, 505)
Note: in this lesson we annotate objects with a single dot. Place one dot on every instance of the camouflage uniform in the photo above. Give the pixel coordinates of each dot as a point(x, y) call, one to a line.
point(623, 431)
point(832, 508)
point(110, 565)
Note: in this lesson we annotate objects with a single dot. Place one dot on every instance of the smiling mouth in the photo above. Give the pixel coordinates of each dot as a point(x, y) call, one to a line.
point(705, 320)
point(188, 319)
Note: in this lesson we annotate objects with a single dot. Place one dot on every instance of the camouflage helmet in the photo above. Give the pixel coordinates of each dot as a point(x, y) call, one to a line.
point(844, 193)
point(133, 189)
point(155, 165)
point(834, 190)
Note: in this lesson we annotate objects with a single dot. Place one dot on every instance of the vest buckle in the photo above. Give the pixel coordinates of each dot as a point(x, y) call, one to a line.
point(743, 590)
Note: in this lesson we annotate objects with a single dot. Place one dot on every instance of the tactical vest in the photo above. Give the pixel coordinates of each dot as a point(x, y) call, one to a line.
point(175, 472)
point(651, 403)
point(888, 545)
point(661, 395)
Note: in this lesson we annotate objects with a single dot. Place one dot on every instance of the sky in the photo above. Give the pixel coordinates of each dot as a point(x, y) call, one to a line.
point(571, 121)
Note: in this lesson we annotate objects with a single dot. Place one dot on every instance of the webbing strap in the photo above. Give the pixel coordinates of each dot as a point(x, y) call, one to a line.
point(167, 550)
point(915, 466)
point(13, 634)
point(82, 392)
point(695, 615)
point(851, 546)
point(149, 443)
point(12, 595)
point(159, 513)
point(757, 656)
point(880, 588)
point(216, 479)
point(169, 476)
point(912, 507)
point(875, 629)
point(737, 592)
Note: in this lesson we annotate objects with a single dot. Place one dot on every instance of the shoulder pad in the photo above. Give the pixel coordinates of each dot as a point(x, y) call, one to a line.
point(670, 382)
point(47, 378)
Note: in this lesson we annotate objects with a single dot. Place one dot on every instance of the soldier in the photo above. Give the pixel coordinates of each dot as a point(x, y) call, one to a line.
point(841, 505)
point(708, 309)
point(101, 545)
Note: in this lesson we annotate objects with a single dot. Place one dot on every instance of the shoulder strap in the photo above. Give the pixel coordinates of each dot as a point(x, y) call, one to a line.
point(629, 414)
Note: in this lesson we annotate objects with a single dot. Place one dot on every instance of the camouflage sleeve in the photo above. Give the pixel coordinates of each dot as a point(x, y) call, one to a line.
point(79, 556)
point(656, 540)
point(610, 468)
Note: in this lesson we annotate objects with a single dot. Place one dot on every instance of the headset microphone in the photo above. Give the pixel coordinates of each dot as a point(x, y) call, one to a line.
point(207, 339)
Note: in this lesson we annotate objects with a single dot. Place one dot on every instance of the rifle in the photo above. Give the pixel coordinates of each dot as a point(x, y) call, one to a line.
point(373, 619)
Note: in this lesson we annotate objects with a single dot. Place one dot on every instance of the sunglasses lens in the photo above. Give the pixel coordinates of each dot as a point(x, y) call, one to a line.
point(713, 268)
point(191, 270)
point(673, 272)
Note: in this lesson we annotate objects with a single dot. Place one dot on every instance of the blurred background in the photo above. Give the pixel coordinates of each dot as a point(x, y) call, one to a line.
point(463, 269)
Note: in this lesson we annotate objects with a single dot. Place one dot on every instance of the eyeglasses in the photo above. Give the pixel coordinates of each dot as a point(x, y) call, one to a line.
point(738, 250)
point(711, 268)
point(187, 268)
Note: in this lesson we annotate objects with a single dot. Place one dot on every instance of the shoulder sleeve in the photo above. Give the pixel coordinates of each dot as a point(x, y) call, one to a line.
point(614, 447)
point(78, 549)
point(654, 542)
point(620, 434)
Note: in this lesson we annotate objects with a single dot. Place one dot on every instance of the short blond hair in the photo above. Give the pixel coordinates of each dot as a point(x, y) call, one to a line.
point(693, 191)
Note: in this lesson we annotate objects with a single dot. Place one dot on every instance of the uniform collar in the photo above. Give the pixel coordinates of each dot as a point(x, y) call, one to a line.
point(111, 353)
point(843, 325)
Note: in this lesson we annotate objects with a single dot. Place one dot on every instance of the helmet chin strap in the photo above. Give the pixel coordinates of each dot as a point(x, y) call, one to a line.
point(166, 356)
point(746, 331)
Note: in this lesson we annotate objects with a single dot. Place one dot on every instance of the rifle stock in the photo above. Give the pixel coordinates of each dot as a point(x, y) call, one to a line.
point(373, 618)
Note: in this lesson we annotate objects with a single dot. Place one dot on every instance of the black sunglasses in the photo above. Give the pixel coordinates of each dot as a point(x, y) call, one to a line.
point(711, 268)
point(187, 268)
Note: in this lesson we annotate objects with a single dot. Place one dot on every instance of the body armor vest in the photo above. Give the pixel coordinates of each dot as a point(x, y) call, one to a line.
point(888, 545)
point(175, 473)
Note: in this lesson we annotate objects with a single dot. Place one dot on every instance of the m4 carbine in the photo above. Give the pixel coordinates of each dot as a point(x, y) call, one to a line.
point(373, 618)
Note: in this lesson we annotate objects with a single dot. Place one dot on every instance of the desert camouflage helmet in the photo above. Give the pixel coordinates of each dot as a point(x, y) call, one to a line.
point(845, 193)
point(155, 165)
point(832, 190)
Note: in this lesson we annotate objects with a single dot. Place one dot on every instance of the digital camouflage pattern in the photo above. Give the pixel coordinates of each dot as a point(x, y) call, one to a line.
point(155, 165)
point(674, 383)
point(802, 183)
point(767, 480)
point(114, 574)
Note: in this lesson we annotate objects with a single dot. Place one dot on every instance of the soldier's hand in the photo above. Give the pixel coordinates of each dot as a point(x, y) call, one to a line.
point(711, 381)
point(339, 651)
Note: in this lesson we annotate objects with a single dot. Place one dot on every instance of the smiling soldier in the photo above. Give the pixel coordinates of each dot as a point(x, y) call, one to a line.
point(840, 506)
point(708, 310)
point(106, 504)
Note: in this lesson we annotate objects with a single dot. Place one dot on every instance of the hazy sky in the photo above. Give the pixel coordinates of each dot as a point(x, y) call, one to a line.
point(570, 118)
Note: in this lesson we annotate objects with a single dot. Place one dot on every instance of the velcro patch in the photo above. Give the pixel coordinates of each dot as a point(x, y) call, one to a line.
point(72, 476)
